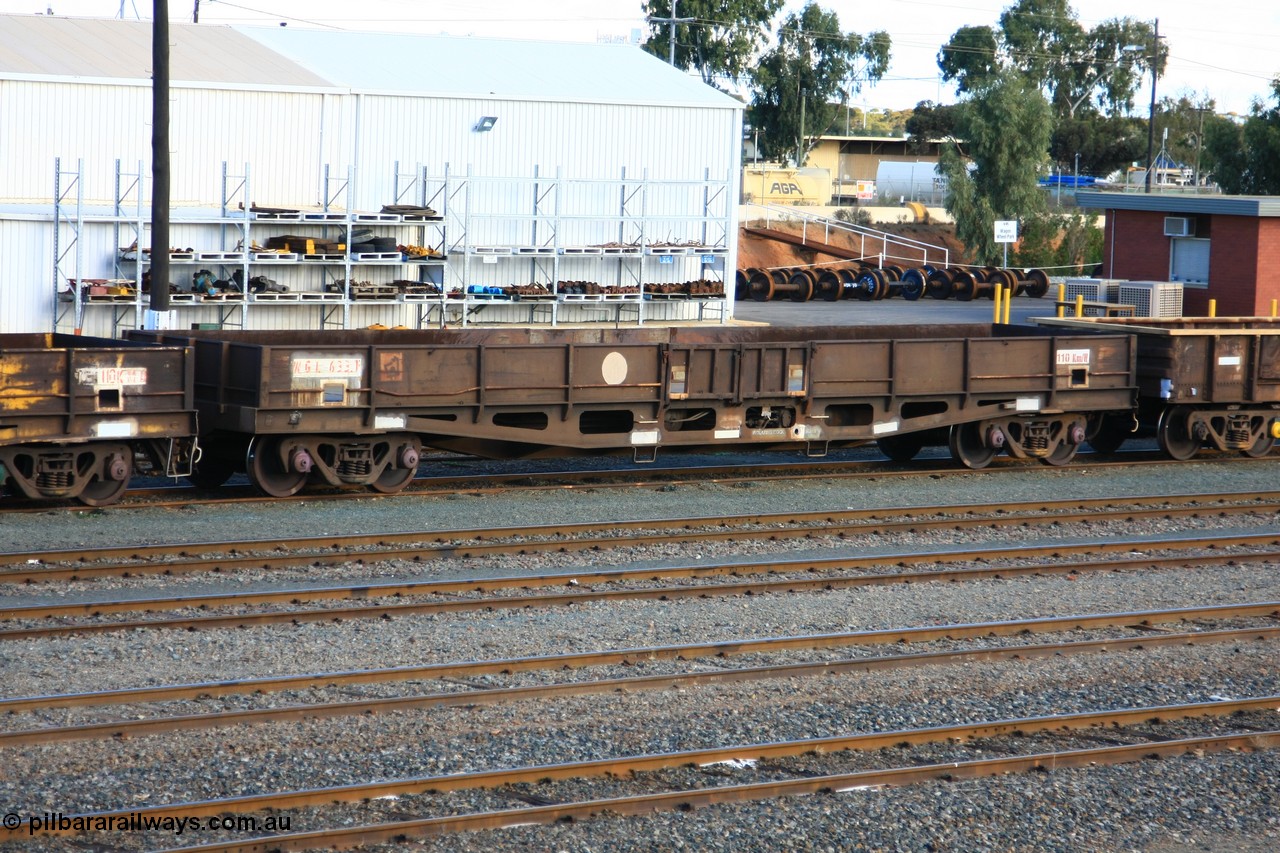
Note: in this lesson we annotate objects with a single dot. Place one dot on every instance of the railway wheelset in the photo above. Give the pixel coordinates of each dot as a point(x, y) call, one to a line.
point(865, 281)
point(81, 416)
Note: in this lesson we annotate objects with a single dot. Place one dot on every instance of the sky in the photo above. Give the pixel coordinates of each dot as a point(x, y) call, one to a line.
point(1223, 49)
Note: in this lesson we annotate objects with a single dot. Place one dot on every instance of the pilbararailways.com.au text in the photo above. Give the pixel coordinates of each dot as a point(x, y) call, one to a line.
point(142, 822)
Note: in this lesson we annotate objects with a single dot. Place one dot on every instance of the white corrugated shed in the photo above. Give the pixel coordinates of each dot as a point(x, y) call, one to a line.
point(279, 109)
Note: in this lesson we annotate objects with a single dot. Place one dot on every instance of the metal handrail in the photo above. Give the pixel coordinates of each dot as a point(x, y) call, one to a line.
point(779, 213)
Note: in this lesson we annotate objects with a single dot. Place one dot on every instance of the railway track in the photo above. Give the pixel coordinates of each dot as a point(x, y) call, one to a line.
point(171, 716)
point(1056, 727)
point(690, 799)
point(1141, 622)
point(170, 559)
point(296, 614)
point(176, 497)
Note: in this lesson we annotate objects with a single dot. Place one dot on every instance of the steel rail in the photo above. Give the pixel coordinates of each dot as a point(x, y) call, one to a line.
point(398, 589)
point(666, 593)
point(575, 660)
point(702, 797)
point(489, 696)
point(863, 742)
point(575, 536)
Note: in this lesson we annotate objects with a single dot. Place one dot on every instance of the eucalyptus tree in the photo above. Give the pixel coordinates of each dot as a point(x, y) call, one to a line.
point(720, 39)
point(812, 69)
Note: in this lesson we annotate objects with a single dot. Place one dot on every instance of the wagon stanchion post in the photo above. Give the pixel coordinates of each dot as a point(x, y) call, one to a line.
point(1008, 298)
point(1079, 304)
point(1062, 297)
point(996, 305)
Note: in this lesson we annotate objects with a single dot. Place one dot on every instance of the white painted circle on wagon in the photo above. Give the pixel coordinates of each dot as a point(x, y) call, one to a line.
point(614, 368)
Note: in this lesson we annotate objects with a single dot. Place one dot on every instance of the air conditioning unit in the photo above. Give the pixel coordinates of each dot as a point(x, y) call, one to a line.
point(1179, 226)
point(1152, 298)
point(1093, 289)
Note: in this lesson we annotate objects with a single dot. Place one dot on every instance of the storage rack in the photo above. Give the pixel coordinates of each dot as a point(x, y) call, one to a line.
point(500, 231)
point(535, 235)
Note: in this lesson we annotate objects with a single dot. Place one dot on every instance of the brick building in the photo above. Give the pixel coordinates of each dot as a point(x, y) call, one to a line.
point(1220, 247)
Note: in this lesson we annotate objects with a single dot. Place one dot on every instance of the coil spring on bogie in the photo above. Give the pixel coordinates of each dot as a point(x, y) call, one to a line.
point(1238, 431)
point(54, 479)
point(354, 468)
point(1036, 440)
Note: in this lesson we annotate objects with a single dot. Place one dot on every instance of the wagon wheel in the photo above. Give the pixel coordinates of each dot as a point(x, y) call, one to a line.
point(803, 283)
point(1110, 433)
point(393, 480)
point(901, 448)
point(938, 284)
point(211, 473)
point(1004, 278)
point(883, 282)
point(868, 283)
point(913, 283)
point(1061, 455)
point(849, 282)
point(110, 482)
point(828, 286)
point(268, 473)
point(760, 286)
point(963, 285)
point(741, 284)
point(1173, 433)
point(1262, 446)
point(1037, 283)
point(969, 446)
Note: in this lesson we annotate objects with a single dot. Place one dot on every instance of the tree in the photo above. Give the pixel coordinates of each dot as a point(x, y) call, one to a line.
point(1059, 240)
point(1104, 144)
point(1043, 40)
point(813, 68)
point(930, 122)
point(1005, 125)
point(722, 40)
point(1245, 158)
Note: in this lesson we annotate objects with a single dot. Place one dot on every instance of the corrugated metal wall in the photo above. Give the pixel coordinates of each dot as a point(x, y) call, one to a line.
point(288, 139)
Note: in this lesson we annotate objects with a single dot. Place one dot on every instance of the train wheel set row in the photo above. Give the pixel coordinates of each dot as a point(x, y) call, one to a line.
point(864, 281)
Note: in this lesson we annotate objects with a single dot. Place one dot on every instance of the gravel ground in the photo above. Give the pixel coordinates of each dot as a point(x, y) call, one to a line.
point(1207, 802)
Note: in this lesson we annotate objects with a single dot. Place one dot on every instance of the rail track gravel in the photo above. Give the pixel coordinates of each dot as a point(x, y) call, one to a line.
point(1232, 801)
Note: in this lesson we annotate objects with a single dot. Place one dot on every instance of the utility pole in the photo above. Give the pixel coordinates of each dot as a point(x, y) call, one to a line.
point(195, 13)
point(159, 158)
point(1151, 114)
point(673, 20)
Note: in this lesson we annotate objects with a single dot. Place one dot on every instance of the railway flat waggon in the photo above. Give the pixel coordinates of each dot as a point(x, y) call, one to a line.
point(80, 415)
point(1202, 382)
point(357, 407)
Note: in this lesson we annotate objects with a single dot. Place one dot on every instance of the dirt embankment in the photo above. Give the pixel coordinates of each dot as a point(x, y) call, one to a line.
point(764, 253)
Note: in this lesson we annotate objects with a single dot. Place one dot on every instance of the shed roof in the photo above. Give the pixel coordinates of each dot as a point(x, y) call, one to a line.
point(94, 48)
point(52, 47)
point(1176, 203)
point(502, 68)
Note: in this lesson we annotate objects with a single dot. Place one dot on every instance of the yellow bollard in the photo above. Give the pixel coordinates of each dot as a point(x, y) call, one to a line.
point(995, 318)
point(1213, 308)
point(1008, 298)
point(1079, 304)
point(1062, 297)
point(1273, 307)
